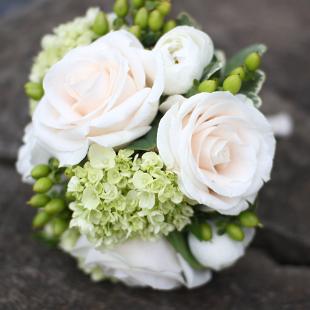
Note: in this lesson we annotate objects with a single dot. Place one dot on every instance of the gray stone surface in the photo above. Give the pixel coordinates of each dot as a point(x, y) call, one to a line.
point(274, 275)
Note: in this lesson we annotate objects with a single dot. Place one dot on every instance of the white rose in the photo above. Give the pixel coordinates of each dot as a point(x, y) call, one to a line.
point(30, 154)
point(186, 52)
point(140, 263)
point(221, 252)
point(220, 146)
point(105, 93)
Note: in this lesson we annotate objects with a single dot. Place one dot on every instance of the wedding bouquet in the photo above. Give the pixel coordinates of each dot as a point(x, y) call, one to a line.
point(146, 148)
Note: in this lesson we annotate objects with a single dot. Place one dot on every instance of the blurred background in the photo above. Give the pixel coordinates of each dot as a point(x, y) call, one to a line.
point(275, 273)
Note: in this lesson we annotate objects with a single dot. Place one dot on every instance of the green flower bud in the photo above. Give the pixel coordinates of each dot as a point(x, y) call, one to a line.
point(253, 61)
point(248, 219)
point(239, 71)
point(40, 171)
point(164, 8)
point(156, 20)
point(55, 206)
point(169, 25)
point(38, 200)
point(59, 226)
point(137, 4)
point(136, 30)
point(141, 18)
point(40, 219)
point(54, 163)
point(235, 232)
point(232, 84)
point(101, 24)
point(207, 86)
point(118, 23)
point(34, 90)
point(42, 185)
point(120, 8)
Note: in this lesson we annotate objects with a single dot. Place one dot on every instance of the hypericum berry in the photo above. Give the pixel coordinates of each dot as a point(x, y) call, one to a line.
point(206, 231)
point(120, 8)
point(235, 232)
point(169, 25)
point(135, 30)
point(55, 206)
point(164, 8)
point(141, 18)
point(253, 61)
point(38, 200)
point(42, 185)
point(232, 84)
point(156, 20)
point(101, 24)
point(248, 219)
point(40, 171)
point(59, 226)
point(207, 86)
point(34, 90)
point(40, 219)
point(137, 4)
point(238, 71)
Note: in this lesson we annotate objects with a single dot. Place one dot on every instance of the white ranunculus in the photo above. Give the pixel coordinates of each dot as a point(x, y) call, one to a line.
point(140, 263)
point(105, 93)
point(221, 252)
point(186, 52)
point(30, 154)
point(221, 148)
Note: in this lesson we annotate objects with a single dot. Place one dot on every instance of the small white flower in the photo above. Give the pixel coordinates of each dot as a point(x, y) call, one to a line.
point(220, 146)
point(186, 52)
point(105, 93)
point(221, 252)
point(140, 263)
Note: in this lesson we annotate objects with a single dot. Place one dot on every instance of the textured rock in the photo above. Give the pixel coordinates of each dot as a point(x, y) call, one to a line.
point(34, 276)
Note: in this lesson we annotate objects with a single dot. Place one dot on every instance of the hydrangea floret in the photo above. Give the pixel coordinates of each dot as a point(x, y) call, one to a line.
point(121, 196)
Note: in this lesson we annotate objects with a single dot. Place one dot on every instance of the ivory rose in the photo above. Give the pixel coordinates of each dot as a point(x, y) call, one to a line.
point(105, 93)
point(140, 263)
point(220, 146)
point(186, 52)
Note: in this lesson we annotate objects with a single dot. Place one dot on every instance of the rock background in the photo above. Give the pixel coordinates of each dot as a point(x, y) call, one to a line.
point(275, 274)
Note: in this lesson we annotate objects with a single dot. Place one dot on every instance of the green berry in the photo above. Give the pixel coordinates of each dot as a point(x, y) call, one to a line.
point(238, 71)
point(169, 25)
point(38, 200)
point(207, 86)
point(40, 171)
point(135, 30)
point(156, 20)
point(55, 206)
point(141, 18)
point(120, 8)
point(42, 185)
point(206, 231)
point(248, 219)
point(101, 24)
point(34, 90)
point(40, 219)
point(164, 8)
point(253, 61)
point(69, 197)
point(232, 84)
point(59, 226)
point(137, 4)
point(235, 232)
point(118, 23)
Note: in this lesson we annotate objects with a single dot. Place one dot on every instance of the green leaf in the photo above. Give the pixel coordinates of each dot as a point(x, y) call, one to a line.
point(257, 101)
point(238, 59)
point(184, 19)
point(214, 66)
point(178, 241)
point(254, 83)
point(149, 141)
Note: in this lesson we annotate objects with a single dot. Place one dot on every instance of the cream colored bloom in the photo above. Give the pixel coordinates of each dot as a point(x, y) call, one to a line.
point(105, 93)
point(220, 146)
point(186, 52)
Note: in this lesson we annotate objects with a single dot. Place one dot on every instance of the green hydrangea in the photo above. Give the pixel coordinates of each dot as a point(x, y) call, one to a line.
point(121, 196)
